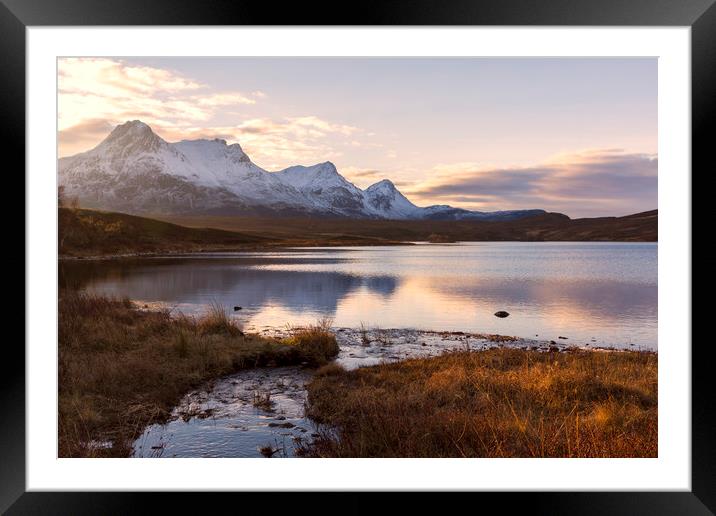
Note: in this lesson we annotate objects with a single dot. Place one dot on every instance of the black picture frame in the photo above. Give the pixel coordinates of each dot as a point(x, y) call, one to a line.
point(700, 15)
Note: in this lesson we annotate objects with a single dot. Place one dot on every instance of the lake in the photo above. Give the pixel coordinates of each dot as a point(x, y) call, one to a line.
point(601, 294)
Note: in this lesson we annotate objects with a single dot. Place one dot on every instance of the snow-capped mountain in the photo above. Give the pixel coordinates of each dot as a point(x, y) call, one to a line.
point(325, 188)
point(134, 170)
point(384, 198)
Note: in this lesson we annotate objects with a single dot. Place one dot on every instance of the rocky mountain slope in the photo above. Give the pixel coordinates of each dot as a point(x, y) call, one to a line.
point(133, 170)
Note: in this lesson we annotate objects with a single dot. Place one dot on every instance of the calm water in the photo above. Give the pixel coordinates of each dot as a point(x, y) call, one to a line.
point(596, 293)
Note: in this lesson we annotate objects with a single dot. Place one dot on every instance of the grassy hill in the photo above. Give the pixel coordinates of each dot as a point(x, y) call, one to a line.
point(85, 232)
point(88, 232)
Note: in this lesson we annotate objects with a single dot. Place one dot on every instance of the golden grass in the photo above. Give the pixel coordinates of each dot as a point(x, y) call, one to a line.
point(121, 369)
point(316, 342)
point(496, 403)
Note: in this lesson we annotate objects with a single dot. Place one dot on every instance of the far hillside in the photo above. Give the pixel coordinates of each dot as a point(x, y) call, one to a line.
point(84, 232)
point(640, 227)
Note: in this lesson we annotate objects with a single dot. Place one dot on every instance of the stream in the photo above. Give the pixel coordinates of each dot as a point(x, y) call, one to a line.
point(261, 412)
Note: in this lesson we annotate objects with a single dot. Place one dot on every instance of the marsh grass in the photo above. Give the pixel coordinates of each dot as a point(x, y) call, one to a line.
point(121, 369)
point(216, 320)
point(364, 338)
point(495, 403)
point(315, 342)
point(262, 400)
point(383, 337)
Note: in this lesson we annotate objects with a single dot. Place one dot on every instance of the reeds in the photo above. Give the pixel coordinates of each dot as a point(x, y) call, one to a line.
point(315, 342)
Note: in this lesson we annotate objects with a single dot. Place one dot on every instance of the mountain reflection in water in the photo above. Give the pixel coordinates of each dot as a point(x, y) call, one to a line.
point(602, 293)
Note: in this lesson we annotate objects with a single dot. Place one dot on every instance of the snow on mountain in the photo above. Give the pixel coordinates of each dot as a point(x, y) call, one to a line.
point(213, 163)
point(130, 149)
point(445, 212)
point(384, 198)
point(326, 189)
point(136, 171)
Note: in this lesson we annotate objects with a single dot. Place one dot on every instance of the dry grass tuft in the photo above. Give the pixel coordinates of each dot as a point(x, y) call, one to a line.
point(216, 320)
point(494, 403)
point(330, 369)
point(262, 400)
point(315, 342)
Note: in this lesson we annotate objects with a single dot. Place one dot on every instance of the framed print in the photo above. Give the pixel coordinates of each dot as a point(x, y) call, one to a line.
point(415, 249)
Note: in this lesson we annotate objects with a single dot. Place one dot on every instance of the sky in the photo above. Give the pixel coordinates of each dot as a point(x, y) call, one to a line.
point(571, 135)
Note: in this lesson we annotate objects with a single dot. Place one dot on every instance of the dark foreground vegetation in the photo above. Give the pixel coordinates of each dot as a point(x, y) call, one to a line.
point(121, 369)
point(497, 403)
point(84, 233)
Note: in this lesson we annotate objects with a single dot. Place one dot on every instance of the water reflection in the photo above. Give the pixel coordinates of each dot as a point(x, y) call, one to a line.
point(601, 293)
point(224, 280)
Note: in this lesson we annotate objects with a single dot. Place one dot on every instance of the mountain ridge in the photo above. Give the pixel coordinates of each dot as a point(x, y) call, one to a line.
point(134, 170)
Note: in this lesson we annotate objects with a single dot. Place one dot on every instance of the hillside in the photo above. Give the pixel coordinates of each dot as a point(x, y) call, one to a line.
point(85, 232)
point(640, 227)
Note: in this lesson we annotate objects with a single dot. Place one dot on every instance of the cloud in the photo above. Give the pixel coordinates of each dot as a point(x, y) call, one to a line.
point(115, 91)
point(592, 182)
point(300, 127)
point(82, 75)
point(356, 172)
point(279, 142)
point(85, 134)
point(363, 177)
point(96, 94)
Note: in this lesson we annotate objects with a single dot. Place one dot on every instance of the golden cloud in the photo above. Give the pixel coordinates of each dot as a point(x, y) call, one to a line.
point(97, 93)
point(115, 91)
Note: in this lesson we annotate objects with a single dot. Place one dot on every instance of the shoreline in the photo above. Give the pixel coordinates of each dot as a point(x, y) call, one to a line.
point(349, 336)
point(208, 252)
point(302, 246)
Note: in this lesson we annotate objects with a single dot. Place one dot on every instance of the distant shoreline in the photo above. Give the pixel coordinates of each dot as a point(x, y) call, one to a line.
point(293, 248)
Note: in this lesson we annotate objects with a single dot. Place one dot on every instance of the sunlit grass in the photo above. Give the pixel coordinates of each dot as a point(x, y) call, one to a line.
point(494, 403)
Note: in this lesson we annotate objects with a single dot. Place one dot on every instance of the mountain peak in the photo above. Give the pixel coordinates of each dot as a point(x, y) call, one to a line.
point(382, 184)
point(133, 134)
point(136, 123)
point(136, 126)
point(318, 168)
